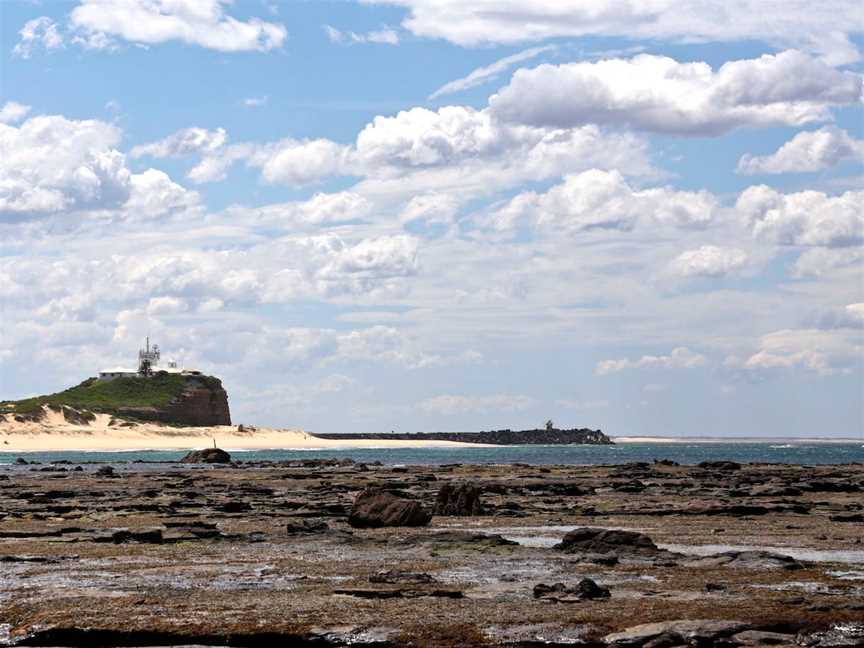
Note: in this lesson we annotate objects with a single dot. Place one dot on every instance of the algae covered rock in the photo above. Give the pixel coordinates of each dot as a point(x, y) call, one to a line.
point(379, 508)
point(208, 455)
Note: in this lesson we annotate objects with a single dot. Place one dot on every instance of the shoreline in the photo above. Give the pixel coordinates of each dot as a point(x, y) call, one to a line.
point(158, 439)
point(229, 440)
point(54, 433)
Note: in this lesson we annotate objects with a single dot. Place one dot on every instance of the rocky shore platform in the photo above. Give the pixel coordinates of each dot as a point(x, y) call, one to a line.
point(298, 554)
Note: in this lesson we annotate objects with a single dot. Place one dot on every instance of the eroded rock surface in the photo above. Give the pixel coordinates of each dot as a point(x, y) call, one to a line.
point(459, 500)
point(262, 553)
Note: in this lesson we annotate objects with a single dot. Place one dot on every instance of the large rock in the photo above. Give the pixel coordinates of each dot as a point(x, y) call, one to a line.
point(603, 541)
point(458, 500)
point(675, 633)
point(748, 560)
point(465, 539)
point(208, 455)
point(379, 508)
point(585, 590)
point(719, 465)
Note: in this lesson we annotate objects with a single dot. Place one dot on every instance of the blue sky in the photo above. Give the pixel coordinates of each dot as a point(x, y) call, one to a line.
point(421, 214)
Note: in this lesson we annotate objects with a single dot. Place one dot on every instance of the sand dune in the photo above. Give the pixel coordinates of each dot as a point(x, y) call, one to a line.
point(55, 433)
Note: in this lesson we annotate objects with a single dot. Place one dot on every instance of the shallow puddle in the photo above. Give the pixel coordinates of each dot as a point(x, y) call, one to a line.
point(851, 574)
point(798, 553)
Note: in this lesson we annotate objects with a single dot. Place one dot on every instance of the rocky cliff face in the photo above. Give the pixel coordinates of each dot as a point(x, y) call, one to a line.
point(202, 402)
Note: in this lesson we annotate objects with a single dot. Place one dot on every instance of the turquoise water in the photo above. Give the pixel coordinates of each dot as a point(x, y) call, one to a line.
point(684, 453)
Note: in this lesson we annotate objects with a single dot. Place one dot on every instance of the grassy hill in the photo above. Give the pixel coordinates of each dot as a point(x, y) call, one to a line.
point(106, 396)
point(172, 399)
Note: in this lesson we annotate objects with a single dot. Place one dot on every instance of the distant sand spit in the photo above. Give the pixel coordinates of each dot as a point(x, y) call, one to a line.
point(54, 433)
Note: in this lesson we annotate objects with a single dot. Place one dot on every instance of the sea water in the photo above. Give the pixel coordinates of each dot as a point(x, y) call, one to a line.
point(787, 452)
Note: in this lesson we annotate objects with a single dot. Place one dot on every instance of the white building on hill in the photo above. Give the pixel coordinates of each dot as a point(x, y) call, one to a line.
point(149, 363)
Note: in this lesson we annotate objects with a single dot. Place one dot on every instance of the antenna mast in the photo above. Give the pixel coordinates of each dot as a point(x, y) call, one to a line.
point(148, 358)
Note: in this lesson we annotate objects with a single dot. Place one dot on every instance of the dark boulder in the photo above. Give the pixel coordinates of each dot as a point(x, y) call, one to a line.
point(632, 486)
point(586, 589)
point(748, 560)
point(719, 465)
point(847, 517)
point(378, 508)
point(465, 539)
point(603, 541)
point(458, 500)
point(394, 577)
point(208, 455)
point(233, 506)
point(124, 536)
point(302, 527)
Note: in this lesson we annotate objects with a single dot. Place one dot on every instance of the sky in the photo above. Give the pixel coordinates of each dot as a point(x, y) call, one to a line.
point(421, 215)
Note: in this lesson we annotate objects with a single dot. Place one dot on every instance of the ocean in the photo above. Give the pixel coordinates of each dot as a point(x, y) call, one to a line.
point(785, 451)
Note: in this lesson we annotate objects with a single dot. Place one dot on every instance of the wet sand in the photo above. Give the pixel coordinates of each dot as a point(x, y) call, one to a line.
point(262, 554)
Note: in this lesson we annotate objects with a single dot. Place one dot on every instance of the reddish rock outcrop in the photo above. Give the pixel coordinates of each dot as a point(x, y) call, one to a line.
point(202, 402)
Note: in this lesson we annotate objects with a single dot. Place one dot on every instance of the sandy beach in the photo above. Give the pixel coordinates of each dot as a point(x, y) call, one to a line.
point(55, 434)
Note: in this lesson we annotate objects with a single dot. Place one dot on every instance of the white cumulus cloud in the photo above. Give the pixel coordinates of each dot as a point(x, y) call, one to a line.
point(818, 262)
point(454, 145)
point(320, 209)
point(824, 28)
point(708, 261)
point(598, 199)
point(810, 218)
point(196, 22)
point(806, 152)
point(50, 163)
point(187, 141)
point(823, 352)
point(657, 93)
point(12, 111)
point(100, 24)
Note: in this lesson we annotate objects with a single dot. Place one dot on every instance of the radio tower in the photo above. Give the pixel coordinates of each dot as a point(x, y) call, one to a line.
point(148, 358)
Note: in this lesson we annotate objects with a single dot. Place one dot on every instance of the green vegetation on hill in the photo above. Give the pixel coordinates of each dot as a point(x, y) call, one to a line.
point(107, 396)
